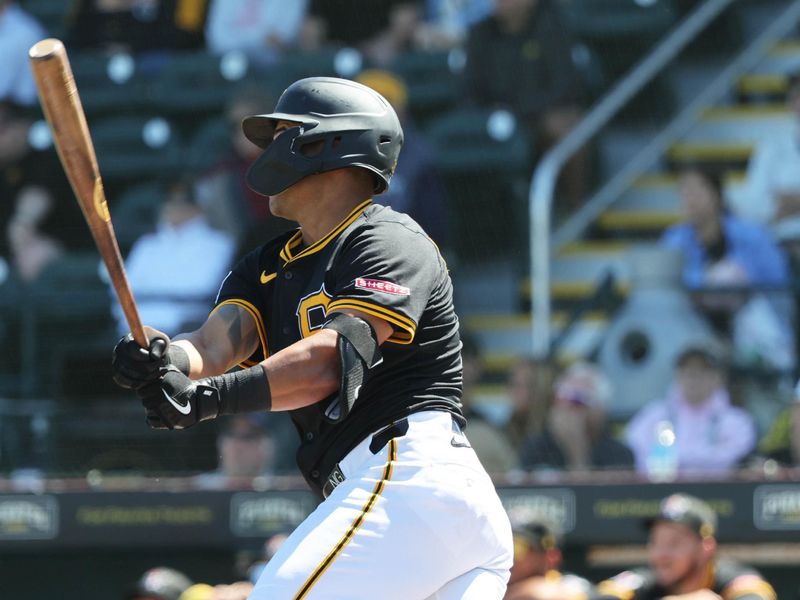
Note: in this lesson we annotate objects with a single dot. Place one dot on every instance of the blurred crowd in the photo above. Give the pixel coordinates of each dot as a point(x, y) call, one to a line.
point(522, 59)
point(682, 560)
point(520, 74)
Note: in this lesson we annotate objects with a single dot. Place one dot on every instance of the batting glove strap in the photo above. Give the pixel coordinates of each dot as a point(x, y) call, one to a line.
point(177, 357)
point(242, 391)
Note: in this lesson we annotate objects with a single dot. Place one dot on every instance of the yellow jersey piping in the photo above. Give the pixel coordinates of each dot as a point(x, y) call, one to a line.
point(407, 327)
point(296, 239)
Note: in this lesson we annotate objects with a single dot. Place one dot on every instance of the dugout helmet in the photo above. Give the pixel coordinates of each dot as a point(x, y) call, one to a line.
point(358, 128)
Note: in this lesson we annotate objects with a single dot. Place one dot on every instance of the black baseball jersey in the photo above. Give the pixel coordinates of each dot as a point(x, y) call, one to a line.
point(377, 261)
point(728, 579)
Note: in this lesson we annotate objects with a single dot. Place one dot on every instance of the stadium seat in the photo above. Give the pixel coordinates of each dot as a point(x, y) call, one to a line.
point(135, 213)
point(484, 179)
point(109, 85)
point(71, 304)
point(432, 85)
point(208, 143)
point(135, 147)
point(196, 82)
point(51, 15)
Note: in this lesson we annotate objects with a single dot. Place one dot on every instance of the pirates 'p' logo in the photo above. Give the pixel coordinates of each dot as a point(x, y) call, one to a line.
point(312, 311)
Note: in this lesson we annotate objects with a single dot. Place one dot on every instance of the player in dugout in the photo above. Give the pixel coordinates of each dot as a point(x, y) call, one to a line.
point(683, 562)
point(536, 574)
point(348, 324)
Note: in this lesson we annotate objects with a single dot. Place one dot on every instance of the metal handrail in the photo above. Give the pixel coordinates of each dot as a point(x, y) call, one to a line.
point(544, 178)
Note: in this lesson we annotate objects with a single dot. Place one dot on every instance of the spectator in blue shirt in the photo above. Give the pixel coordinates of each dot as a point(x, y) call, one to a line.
point(726, 261)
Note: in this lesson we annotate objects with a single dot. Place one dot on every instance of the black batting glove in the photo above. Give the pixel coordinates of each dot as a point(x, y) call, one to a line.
point(134, 367)
point(177, 402)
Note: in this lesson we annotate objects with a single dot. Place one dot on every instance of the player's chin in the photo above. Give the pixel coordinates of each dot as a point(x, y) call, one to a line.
point(277, 205)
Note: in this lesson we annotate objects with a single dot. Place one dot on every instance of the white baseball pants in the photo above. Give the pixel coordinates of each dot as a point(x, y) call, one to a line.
point(419, 520)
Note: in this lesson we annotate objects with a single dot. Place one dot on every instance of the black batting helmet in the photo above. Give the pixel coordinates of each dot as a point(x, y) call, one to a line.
point(356, 125)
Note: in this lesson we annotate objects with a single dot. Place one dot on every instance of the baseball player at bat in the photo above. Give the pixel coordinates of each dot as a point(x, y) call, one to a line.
point(348, 324)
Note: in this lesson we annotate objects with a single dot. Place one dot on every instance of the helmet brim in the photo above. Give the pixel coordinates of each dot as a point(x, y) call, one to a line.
point(260, 129)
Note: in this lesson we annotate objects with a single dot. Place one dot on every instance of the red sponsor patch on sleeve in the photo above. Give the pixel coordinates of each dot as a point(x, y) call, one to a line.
point(386, 287)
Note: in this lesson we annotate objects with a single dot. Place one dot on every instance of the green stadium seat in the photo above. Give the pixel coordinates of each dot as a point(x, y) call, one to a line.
point(195, 82)
point(71, 302)
point(109, 85)
point(432, 85)
point(485, 180)
point(136, 212)
point(207, 145)
point(136, 147)
point(51, 15)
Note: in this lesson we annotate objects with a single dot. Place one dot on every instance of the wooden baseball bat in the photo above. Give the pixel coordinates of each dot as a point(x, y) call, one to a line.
point(62, 107)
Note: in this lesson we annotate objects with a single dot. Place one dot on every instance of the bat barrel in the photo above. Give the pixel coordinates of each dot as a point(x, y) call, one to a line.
point(64, 112)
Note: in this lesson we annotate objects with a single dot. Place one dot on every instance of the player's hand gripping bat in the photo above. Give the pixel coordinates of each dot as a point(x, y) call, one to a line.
point(62, 107)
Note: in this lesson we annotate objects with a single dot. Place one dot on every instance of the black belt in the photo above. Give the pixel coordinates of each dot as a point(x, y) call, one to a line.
point(379, 440)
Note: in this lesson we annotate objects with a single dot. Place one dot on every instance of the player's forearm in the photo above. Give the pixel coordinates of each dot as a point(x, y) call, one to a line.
point(304, 373)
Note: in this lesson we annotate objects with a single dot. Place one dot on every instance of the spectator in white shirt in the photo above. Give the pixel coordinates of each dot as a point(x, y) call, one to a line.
point(262, 29)
point(772, 190)
point(174, 272)
point(18, 32)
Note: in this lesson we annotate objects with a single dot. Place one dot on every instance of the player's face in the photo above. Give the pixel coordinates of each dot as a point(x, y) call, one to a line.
point(528, 562)
point(675, 553)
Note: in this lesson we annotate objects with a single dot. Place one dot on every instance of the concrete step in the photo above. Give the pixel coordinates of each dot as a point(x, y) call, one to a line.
point(783, 59)
point(503, 339)
point(740, 125)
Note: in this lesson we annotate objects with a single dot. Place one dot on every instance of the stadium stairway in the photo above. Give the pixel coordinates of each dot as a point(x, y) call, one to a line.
point(722, 139)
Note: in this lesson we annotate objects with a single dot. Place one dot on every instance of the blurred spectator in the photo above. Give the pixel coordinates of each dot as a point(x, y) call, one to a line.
point(446, 22)
point(31, 248)
point(229, 203)
point(782, 442)
point(416, 188)
point(520, 58)
point(270, 547)
point(530, 387)
point(771, 195)
point(262, 29)
point(174, 272)
point(683, 563)
point(706, 432)
point(198, 591)
point(246, 451)
point(380, 29)
point(576, 436)
point(488, 441)
point(136, 25)
point(18, 32)
point(722, 251)
point(535, 574)
point(159, 583)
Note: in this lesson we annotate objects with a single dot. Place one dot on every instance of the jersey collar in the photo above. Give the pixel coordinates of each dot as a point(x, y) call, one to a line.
point(287, 253)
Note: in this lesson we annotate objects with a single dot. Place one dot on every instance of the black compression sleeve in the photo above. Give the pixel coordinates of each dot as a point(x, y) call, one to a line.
point(242, 391)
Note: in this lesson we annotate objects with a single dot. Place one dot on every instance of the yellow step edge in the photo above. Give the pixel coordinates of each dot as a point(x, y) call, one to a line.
point(503, 363)
point(647, 182)
point(722, 113)
point(638, 219)
point(594, 247)
point(762, 83)
point(521, 321)
point(710, 151)
point(572, 290)
point(785, 47)
point(491, 389)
